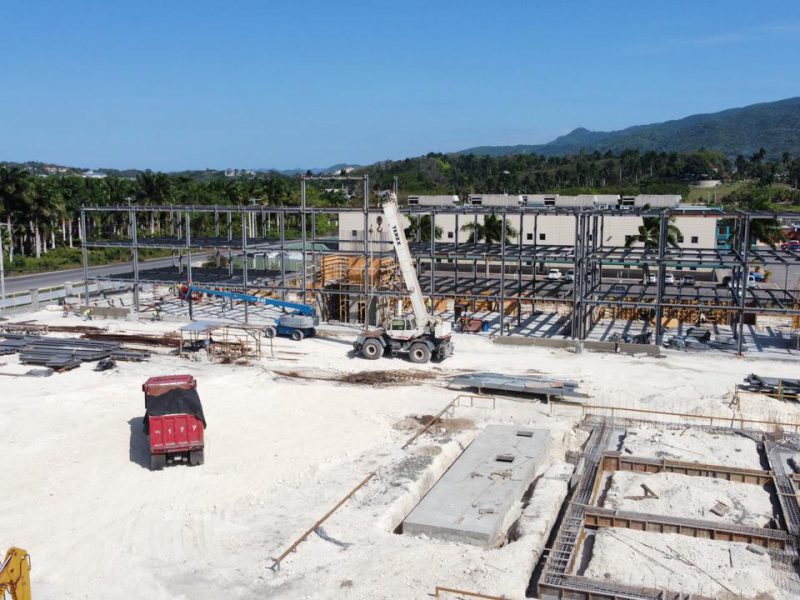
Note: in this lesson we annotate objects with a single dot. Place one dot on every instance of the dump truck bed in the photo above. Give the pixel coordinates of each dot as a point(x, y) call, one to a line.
point(175, 433)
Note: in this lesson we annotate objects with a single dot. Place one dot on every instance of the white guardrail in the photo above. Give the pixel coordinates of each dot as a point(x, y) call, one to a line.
point(36, 297)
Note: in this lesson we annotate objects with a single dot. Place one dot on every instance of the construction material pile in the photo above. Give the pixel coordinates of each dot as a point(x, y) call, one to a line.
point(63, 354)
point(523, 385)
point(776, 387)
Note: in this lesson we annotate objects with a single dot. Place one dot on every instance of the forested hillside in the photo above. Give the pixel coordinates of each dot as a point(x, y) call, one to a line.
point(774, 126)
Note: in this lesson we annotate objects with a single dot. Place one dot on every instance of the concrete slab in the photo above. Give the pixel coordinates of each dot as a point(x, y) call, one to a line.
point(471, 503)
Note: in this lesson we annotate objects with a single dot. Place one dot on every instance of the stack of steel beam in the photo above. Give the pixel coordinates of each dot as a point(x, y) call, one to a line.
point(521, 385)
point(777, 387)
point(64, 353)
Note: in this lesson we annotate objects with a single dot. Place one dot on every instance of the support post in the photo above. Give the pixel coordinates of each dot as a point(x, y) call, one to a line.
point(84, 257)
point(433, 261)
point(303, 235)
point(662, 249)
point(745, 273)
point(366, 251)
point(503, 274)
point(135, 257)
point(188, 248)
point(244, 263)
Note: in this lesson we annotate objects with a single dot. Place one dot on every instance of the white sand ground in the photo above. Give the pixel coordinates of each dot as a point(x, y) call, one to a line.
point(713, 569)
point(280, 453)
point(693, 445)
point(747, 504)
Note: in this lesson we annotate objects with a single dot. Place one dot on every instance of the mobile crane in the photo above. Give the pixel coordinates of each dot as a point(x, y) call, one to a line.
point(422, 336)
point(296, 325)
point(14, 574)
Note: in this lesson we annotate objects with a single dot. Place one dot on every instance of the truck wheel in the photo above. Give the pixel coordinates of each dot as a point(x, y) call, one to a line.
point(196, 458)
point(372, 349)
point(419, 353)
point(297, 335)
point(270, 332)
point(158, 461)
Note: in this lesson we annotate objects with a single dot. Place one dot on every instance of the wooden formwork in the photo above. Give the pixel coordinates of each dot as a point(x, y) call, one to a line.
point(615, 461)
point(673, 314)
point(339, 268)
point(380, 270)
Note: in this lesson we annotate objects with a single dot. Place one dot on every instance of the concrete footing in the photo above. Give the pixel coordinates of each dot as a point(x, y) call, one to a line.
point(473, 502)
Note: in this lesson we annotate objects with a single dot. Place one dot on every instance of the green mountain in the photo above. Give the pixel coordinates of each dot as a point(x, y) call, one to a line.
point(774, 126)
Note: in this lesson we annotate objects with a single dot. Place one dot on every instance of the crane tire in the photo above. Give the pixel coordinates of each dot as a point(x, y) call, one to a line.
point(270, 332)
point(419, 353)
point(372, 350)
point(297, 335)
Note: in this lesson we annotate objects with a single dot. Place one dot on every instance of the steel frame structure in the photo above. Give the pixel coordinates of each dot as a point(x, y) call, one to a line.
point(440, 264)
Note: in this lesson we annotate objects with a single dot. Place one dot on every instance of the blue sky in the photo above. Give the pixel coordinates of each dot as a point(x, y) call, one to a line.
point(194, 84)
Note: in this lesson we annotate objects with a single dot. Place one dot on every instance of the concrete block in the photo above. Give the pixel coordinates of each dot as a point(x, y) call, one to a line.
point(472, 501)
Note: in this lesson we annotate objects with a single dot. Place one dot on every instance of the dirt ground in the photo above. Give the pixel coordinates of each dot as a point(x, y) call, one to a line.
point(287, 439)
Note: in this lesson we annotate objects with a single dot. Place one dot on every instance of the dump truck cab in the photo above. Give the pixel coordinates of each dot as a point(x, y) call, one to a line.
point(174, 422)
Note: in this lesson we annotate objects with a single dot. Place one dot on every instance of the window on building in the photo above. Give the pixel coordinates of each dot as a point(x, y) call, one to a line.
point(530, 236)
point(629, 239)
point(549, 202)
point(680, 239)
point(694, 239)
point(542, 237)
point(354, 233)
point(449, 235)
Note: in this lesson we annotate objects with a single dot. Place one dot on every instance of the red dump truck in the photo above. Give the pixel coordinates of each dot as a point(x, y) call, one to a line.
point(173, 420)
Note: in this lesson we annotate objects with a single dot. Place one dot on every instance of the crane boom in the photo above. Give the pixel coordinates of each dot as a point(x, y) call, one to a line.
point(404, 260)
point(303, 309)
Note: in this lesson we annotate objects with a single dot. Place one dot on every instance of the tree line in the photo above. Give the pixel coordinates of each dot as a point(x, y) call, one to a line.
point(41, 213)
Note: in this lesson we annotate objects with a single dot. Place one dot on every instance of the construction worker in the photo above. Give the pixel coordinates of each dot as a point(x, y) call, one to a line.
point(157, 313)
point(87, 314)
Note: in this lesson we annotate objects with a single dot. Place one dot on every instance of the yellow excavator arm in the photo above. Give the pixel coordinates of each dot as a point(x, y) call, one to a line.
point(15, 574)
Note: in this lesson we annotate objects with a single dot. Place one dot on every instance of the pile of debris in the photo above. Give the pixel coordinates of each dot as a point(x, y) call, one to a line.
point(700, 338)
point(63, 354)
point(776, 387)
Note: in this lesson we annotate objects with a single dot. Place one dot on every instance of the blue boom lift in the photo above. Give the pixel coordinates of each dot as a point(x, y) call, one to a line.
point(296, 325)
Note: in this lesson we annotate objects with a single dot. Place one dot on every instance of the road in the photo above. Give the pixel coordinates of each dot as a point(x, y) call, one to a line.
point(23, 283)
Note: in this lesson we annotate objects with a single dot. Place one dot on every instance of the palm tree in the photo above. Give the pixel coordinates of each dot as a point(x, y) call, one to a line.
point(766, 231)
point(650, 232)
point(14, 188)
point(419, 228)
point(490, 231)
point(45, 206)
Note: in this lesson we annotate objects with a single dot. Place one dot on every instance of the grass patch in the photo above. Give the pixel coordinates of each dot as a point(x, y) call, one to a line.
point(64, 258)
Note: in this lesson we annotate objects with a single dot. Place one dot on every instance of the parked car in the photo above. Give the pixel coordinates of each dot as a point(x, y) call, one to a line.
point(688, 280)
point(669, 278)
point(554, 275)
point(793, 245)
point(729, 282)
point(652, 278)
point(570, 276)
